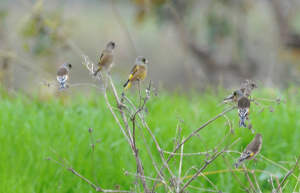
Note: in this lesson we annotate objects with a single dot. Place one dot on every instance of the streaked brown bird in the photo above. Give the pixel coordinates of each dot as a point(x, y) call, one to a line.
point(63, 76)
point(251, 151)
point(138, 72)
point(249, 87)
point(106, 58)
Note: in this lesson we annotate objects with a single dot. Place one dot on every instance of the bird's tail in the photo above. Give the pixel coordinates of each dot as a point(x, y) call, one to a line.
point(126, 86)
point(99, 68)
point(237, 164)
point(126, 83)
point(224, 102)
point(62, 86)
point(243, 115)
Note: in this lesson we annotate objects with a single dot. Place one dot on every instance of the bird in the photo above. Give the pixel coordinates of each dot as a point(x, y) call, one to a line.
point(246, 89)
point(106, 58)
point(249, 86)
point(231, 97)
point(138, 72)
point(63, 76)
point(251, 151)
point(243, 106)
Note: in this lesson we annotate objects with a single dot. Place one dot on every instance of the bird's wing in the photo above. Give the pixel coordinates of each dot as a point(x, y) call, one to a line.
point(101, 57)
point(245, 155)
point(253, 147)
point(231, 96)
point(133, 71)
point(62, 71)
point(251, 150)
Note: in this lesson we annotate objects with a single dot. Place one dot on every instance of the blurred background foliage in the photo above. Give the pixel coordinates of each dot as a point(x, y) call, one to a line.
point(204, 43)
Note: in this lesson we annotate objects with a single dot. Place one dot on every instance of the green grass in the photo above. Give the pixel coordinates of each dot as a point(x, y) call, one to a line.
point(30, 126)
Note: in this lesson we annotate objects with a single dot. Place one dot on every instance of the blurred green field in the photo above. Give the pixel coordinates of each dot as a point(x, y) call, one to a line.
point(30, 126)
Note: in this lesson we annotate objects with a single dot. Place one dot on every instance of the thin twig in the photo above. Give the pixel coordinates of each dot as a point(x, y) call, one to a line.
point(180, 167)
point(71, 169)
point(256, 182)
point(279, 166)
point(151, 157)
point(192, 134)
point(287, 175)
point(132, 143)
point(150, 132)
point(237, 179)
point(271, 183)
point(248, 178)
point(93, 153)
point(207, 163)
point(210, 183)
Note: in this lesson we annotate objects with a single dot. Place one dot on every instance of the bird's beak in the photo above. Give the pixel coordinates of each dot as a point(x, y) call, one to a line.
point(146, 61)
point(116, 45)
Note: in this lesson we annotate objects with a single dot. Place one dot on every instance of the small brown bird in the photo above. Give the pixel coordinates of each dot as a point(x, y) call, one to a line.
point(243, 106)
point(138, 72)
point(63, 76)
point(249, 87)
point(251, 151)
point(106, 58)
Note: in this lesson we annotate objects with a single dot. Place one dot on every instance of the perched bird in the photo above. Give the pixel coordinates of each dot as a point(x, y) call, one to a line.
point(106, 58)
point(251, 151)
point(138, 72)
point(249, 87)
point(246, 89)
point(231, 97)
point(63, 75)
point(243, 106)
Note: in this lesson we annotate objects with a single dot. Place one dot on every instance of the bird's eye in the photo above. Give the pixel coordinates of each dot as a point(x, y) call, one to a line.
point(144, 60)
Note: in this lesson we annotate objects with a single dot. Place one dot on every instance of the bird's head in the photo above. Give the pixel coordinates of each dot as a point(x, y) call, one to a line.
point(141, 61)
point(68, 65)
point(252, 85)
point(258, 136)
point(111, 45)
point(238, 94)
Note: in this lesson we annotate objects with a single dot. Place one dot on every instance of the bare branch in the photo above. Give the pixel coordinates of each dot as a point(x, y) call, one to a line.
point(192, 134)
point(180, 167)
point(237, 179)
point(287, 175)
point(207, 163)
point(279, 166)
point(248, 178)
point(257, 185)
point(93, 152)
